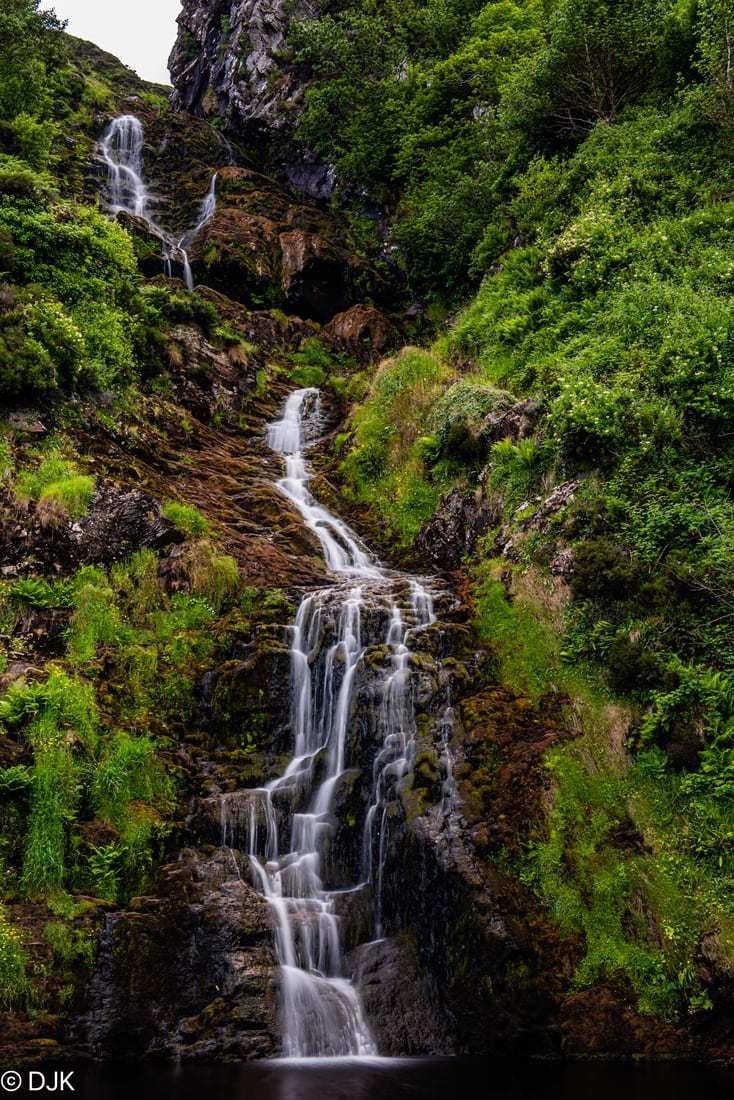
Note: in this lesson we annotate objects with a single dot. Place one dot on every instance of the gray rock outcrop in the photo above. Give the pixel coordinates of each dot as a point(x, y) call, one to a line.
point(225, 63)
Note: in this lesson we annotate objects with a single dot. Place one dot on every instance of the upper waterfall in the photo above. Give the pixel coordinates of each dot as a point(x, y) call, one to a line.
point(122, 148)
point(207, 211)
point(343, 550)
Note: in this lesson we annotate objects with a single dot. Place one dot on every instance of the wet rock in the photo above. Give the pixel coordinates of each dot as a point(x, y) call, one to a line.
point(180, 155)
point(119, 522)
point(185, 973)
point(562, 564)
point(41, 630)
point(536, 516)
point(363, 332)
point(460, 519)
point(514, 423)
point(401, 1001)
point(261, 246)
point(596, 1023)
point(152, 244)
point(307, 174)
point(26, 422)
point(224, 63)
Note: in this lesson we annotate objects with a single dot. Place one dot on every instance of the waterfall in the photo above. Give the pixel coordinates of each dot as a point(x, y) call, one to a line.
point(207, 210)
point(343, 551)
point(122, 148)
point(290, 827)
point(208, 204)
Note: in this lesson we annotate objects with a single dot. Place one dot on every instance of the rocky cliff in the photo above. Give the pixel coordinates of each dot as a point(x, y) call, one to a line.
point(227, 64)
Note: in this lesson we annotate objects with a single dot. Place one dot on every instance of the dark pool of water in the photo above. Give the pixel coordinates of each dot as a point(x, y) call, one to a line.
point(398, 1079)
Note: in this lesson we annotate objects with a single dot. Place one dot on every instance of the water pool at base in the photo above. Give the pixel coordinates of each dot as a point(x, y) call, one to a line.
point(407, 1079)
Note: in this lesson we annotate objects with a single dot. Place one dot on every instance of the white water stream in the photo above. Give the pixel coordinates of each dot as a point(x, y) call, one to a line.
point(320, 1009)
point(206, 212)
point(122, 149)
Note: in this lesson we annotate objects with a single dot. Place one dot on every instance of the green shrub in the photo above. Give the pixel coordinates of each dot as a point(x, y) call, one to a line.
point(40, 592)
point(49, 709)
point(595, 880)
point(34, 139)
point(59, 719)
point(526, 645)
point(308, 376)
point(55, 792)
point(131, 789)
point(137, 586)
point(16, 779)
point(72, 946)
point(385, 464)
point(18, 181)
point(214, 577)
point(96, 620)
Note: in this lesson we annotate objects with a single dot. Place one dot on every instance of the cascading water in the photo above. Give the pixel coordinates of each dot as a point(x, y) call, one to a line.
point(290, 827)
point(122, 149)
point(206, 212)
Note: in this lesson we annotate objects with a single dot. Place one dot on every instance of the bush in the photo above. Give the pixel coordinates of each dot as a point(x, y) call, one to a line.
point(386, 461)
point(40, 592)
point(96, 620)
point(55, 791)
point(52, 708)
point(213, 576)
point(594, 879)
point(132, 790)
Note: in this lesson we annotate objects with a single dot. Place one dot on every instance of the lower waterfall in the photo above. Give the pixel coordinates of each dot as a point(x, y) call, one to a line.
point(352, 714)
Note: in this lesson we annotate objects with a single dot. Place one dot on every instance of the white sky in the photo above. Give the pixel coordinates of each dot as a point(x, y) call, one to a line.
point(139, 32)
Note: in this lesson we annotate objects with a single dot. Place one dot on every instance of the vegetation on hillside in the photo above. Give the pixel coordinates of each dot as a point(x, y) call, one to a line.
point(559, 174)
point(601, 219)
point(102, 665)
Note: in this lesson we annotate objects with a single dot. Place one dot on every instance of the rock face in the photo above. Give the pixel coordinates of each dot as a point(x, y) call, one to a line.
point(363, 332)
point(453, 530)
point(34, 537)
point(225, 64)
point(262, 247)
point(186, 973)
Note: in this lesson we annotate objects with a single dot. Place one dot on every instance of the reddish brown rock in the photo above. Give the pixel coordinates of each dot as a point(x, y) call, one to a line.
point(364, 332)
point(262, 248)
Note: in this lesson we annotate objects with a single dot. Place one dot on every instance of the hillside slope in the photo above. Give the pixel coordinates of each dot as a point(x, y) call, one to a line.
point(557, 175)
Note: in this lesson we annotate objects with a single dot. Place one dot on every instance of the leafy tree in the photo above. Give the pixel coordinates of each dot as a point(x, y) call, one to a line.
point(715, 27)
point(600, 55)
point(31, 47)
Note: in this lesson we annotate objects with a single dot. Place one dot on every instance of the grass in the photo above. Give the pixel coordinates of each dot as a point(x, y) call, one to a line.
point(56, 480)
point(187, 519)
point(385, 463)
point(524, 630)
point(149, 645)
point(15, 987)
point(640, 918)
